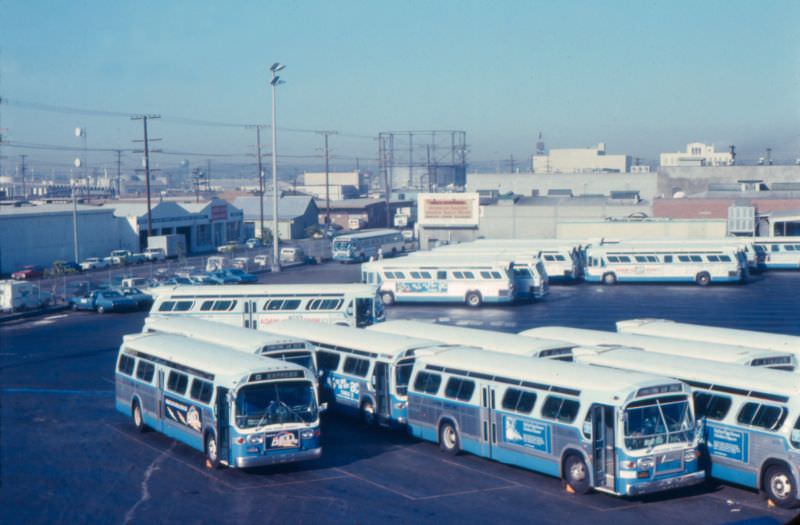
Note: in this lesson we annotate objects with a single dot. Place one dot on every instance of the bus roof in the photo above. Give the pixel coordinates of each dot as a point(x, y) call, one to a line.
point(449, 256)
point(715, 334)
point(732, 354)
point(603, 385)
point(216, 332)
point(366, 234)
point(694, 370)
point(228, 366)
point(458, 335)
point(386, 345)
point(656, 248)
point(258, 290)
point(484, 263)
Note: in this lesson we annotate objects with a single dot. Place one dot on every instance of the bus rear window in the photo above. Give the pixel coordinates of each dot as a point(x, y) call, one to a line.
point(427, 383)
point(177, 382)
point(560, 409)
point(125, 365)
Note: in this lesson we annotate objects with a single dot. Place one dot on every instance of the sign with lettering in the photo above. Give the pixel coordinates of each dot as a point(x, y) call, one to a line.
point(727, 443)
point(448, 209)
point(526, 433)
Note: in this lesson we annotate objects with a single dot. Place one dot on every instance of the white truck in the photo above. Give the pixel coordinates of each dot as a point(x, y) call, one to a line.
point(173, 245)
point(21, 295)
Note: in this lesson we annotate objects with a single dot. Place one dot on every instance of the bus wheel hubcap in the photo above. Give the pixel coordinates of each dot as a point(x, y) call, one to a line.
point(577, 472)
point(137, 416)
point(449, 437)
point(212, 449)
point(781, 486)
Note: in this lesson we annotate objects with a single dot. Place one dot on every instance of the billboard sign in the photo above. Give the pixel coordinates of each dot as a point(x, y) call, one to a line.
point(448, 209)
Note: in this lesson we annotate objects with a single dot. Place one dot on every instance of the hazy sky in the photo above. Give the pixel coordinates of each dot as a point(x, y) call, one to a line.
point(644, 77)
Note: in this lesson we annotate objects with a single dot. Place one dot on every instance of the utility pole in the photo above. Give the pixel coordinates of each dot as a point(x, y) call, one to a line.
point(260, 180)
point(22, 172)
point(147, 141)
point(208, 174)
point(428, 162)
point(325, 134)
point(119, 172)
point(511, 163)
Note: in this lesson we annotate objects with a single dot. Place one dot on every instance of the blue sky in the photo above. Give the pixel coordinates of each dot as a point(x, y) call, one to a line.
point(642, 76)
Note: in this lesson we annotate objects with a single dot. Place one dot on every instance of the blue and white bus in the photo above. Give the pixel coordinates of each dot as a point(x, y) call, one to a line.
point(561, 261)
point(420, 280)
point(531, 281)
point(743, 246)
point(256, 306)
point(778, 253)
point(617, 432)
point(721, 353)
point(610, 264)
point(750, 417)
point(362, 372)
point(361, 246)
point(712, 334)
point(486, 339)
point(263, 343)
point(240, 409)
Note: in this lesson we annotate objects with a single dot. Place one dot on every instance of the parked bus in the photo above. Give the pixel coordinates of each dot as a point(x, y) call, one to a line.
point(361, 246)
point(257, 306)
point(712, 334)
point(241, 410)
point(743, 245)
point(421, 280)
point(562, 262)
point(616, 432)
point(619, 263)
point(750, 417)
point(720, 353)
point(488, 340)
point(778, 253)
point(576, 247)
point(263, 343)
point(362, 372)
point(531, 281)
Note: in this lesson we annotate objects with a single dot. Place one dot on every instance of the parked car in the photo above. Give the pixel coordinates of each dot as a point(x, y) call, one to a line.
point(244, 277)
point(155, 254)
point(137, 258)
point(136, 282)
point(28, 272)
point(229, 247)
point(120, 256)
point(176, 281)
point(253, 243)
point(143, 301)
point(261, 261)
point(103, 301)
point(203, 279)
point(94, 263)
point(223, 277)
point(65, 268)
point(241, 263)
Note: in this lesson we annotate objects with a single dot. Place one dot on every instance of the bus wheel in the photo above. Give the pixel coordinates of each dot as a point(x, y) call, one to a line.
point(473, 299)
point(387, 298)
point(138, 420)
point(703, 279)
point(368, 414)
point(780, 488)
point(212, 452)
point(576, 475)
point(448, 439)
point(609, 278)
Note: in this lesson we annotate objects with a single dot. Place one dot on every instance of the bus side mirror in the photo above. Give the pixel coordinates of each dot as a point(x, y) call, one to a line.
point(323, 407)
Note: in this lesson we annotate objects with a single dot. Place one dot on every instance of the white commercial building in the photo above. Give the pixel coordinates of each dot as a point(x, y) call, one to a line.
point(581, 160)
point(697, 154)
point(358, 179)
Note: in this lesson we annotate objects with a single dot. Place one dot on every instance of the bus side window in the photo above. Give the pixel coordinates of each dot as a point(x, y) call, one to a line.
point(460, 389)
point(560, 409)
point(166, 306)
point(442, 275)
point(427, 383)
point(711, 406)
point(177, 382)
point(356, 366)
point(327, 360)
point(794, 437)
point(668, 258)
point(125, 365)
point(201, 390)
point(145, 371)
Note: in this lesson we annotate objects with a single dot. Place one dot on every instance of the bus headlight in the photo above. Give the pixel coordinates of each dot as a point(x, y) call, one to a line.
point(645, 463)
point(691, 455)
point(308, 434)
point(255, 439)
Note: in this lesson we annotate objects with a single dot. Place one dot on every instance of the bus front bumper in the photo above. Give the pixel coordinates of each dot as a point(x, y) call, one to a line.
point(658, 485)
point(275, 459)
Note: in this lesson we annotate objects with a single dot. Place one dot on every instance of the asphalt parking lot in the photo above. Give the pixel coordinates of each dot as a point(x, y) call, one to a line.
point(68, 457)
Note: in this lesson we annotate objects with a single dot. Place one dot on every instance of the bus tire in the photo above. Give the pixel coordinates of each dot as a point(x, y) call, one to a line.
point(576, 475)
point(609, 278)
point(449, 441)
point(368, 414)
point(138, 419)
point(473, 299)
point(703, 279)
point(101, 310)
point(387, 298)
point(780, 486)
point(212, 450)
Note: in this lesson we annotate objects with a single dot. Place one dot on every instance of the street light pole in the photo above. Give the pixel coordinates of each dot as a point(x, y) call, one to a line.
point(276, 265)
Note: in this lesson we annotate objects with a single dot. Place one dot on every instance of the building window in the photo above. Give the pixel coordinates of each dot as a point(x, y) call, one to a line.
point(203, 234)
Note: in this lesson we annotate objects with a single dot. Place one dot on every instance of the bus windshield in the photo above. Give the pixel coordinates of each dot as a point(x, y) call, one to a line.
point(657, 421)
point(262, 404)
point(341, 245)
point(304, 359)
point(364, 312)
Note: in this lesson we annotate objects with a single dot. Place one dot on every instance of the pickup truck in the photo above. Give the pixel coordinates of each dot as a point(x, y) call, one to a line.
point(93, 263)
point(121, 257)
point(103, 301)
point(155, 254)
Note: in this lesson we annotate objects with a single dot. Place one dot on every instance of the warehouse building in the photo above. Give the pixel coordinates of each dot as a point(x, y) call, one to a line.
point(296, 215)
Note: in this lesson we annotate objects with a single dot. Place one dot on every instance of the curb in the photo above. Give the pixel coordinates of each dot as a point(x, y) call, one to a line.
point(32, 313)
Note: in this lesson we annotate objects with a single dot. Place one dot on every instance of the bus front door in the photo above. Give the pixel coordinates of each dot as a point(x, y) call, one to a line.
point(249, 319)
point(223, 424)
point(603, 460)
point(488, 422)
point(380, 378)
